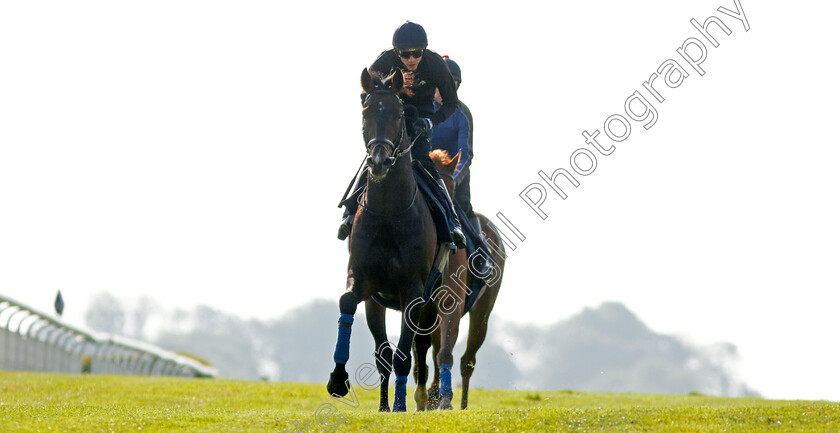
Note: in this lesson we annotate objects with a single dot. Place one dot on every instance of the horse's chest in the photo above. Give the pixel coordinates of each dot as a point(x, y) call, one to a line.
point(384, 264)
point(387, 266)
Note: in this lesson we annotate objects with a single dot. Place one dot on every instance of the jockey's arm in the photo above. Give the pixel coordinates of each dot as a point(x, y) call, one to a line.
point(448, 93)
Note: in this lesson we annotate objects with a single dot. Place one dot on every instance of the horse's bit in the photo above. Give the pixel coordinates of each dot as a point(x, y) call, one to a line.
point(397, 152)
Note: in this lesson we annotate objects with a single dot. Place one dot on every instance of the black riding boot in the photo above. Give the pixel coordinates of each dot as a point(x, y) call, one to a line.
point(457, 234)
point(346, 225)
point(350, 206)
point(486, 265)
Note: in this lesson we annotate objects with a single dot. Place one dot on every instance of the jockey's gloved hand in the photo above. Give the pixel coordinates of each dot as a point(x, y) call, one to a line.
point(422, 125)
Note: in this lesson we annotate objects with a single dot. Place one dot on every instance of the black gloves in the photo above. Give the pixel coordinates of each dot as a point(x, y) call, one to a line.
point(422, 125)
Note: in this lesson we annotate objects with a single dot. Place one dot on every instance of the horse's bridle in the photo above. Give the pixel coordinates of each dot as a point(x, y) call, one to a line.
point(396, 151)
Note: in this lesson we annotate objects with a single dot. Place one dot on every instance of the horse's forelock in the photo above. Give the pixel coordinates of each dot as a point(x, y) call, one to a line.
point(381, 81)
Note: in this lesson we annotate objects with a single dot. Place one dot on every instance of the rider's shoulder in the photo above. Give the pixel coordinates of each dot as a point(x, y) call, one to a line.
point(435, 58)
point(435, 64)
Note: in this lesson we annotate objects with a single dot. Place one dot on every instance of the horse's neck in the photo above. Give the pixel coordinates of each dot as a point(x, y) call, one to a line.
point(395, 192)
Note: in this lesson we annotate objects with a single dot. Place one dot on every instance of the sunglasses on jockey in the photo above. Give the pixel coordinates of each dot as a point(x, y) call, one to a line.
point(412, 52)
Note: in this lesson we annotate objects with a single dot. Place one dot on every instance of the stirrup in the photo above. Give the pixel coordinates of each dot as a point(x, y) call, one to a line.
point(458, 238)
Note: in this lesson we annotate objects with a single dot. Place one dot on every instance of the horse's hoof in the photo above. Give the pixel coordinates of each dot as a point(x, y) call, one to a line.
point(434, 399)
point(445, 402)
point(384, 408)
point(420, 398)
point(338, 384)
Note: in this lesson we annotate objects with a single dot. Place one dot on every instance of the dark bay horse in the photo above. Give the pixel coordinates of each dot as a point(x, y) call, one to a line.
point(459, 277)
point(392, 245)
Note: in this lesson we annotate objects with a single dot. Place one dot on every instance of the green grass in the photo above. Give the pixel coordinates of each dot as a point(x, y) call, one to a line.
point(31, 402)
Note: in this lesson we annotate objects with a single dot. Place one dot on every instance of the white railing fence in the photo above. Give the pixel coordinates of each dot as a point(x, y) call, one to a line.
point(34, 341)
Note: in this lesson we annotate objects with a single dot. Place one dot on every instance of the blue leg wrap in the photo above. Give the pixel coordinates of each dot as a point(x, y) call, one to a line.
point(342, 346)
point(399, 393)
point(445, 380)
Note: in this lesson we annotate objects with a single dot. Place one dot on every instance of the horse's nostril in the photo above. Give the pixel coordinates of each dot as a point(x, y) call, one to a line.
point(377, 159)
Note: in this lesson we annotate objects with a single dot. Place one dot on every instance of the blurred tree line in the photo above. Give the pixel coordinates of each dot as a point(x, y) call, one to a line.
point(602, 349)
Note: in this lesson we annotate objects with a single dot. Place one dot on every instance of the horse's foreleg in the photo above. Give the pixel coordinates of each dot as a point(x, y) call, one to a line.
point(449, 334)
point(339, 383)
point(434, 387)
point(402, 358)
point(421, 370)
point(375, 315)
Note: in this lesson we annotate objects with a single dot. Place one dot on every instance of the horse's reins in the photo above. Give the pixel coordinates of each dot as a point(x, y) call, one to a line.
point(398, 152)
point(391, 159)
point(410, 205)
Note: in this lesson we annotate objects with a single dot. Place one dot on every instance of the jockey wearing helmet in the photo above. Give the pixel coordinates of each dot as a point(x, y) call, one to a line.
point(423, 71)
point(455, 135)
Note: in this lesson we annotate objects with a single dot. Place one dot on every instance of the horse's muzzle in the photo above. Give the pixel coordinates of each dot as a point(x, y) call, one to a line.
point(379, 159)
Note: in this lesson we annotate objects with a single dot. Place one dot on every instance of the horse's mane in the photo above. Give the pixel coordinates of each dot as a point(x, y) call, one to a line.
point(442, 160)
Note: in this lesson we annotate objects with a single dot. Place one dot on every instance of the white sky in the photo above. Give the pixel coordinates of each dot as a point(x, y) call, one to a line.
point(193, 151)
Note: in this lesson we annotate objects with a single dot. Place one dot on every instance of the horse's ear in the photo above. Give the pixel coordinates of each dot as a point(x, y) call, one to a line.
point(454, 161)
point(397, 81)
point(367, 81)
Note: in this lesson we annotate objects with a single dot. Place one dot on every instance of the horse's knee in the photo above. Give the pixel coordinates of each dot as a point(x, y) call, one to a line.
point(384, 357)
point(467, 366)
point(347, 303)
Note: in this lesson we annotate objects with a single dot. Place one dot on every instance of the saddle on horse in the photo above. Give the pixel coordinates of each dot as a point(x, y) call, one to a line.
point(436, 197)
point(434, 190)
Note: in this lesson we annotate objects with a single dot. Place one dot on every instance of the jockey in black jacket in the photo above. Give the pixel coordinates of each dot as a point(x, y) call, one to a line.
point(423, 71)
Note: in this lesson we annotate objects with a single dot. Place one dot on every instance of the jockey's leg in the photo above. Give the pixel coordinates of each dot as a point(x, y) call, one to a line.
point(420, 153)
point(462, 197)
point(455, 225)
point(351, 204)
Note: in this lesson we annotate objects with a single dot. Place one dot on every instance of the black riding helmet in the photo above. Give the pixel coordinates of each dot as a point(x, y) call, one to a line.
point(454, 69)
point(410, 35)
